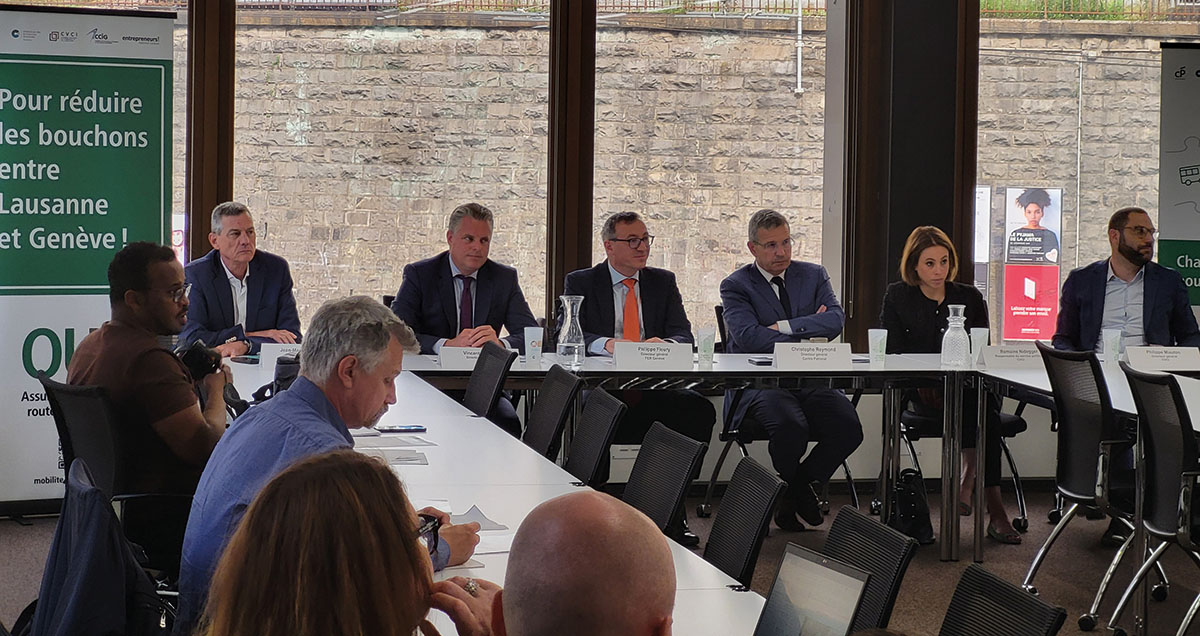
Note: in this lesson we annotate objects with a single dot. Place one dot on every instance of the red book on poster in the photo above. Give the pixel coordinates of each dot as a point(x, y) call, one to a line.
point(1030, 302)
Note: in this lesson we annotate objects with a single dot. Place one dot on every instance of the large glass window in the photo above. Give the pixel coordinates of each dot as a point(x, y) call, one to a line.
point(357, 133)
point(703, 119)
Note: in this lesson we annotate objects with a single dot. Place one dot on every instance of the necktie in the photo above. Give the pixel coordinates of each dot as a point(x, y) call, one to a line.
point(465, 320)
point(630, 321)
point(783, 297)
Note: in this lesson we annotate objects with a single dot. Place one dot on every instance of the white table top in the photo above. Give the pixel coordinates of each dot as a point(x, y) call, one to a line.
point(723, 364)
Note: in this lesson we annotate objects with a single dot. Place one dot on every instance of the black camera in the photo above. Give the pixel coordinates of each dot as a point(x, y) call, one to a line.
point(199, 359)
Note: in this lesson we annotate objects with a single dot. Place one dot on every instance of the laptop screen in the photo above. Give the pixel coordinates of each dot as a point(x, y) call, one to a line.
point(813, 595)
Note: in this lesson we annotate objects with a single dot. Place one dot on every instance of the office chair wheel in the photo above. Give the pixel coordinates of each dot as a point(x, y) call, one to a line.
point(704, 511)
point(824, 507)
point(1159, 592)
point(1117, 631)
point(876, 507)
point(1087, 622)
point(1031, 589)
point(1021, 524)
point(1054, 516)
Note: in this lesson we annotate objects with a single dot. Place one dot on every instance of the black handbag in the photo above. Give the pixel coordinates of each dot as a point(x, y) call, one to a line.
point(910, 508)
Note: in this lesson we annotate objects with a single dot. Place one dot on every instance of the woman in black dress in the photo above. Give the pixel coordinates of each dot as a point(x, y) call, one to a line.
point(915, 316)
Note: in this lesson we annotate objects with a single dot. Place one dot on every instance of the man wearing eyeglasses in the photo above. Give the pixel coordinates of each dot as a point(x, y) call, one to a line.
point(625, 300)
point(1126, 291)
point(775, 299)
point(241, 296)
point(167, 435)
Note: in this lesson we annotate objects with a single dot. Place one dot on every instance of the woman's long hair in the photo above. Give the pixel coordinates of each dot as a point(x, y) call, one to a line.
point(328, 547)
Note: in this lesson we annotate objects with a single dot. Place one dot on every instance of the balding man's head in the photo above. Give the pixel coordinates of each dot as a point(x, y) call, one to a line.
point(590, 565)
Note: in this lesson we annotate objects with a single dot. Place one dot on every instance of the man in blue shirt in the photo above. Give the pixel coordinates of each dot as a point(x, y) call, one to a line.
point(349, 363)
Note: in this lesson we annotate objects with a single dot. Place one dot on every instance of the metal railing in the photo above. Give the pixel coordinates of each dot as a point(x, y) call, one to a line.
point(1133, 10)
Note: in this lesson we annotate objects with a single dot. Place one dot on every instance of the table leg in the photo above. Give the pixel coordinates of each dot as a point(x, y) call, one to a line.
point(980, 464)
point(890, 455)
point(951, 445)
point(1141, 597)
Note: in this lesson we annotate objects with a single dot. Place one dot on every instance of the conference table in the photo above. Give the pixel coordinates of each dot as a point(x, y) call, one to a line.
point(472, 462)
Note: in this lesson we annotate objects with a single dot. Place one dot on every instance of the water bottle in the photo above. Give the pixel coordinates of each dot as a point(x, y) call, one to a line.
point(956, 344)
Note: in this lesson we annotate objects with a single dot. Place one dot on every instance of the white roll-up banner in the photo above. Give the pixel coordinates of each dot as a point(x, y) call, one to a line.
point(85, 168)
point(1179, 164)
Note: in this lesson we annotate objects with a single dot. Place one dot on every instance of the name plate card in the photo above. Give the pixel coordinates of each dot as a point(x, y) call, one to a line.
point(1164, 358)
point(652, 356)
point(1012, 357)
point(801, 356)
point(458, 358)
point(269, 352)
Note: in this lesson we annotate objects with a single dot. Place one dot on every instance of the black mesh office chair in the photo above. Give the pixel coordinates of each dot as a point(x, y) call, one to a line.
point(1088, 435)
point(487, 378)
point(89, 429)
point(743, 433)
point(543, 431)
point(1172, 477)
point(741, 524)
point(917, 423)
point(661, 474)
point(983, 603)
point(593, 433)
point(857, 539)
point(387, 300)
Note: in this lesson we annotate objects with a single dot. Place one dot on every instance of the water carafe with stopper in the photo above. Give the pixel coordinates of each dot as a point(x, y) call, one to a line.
point(570, 336)
point(956, 344)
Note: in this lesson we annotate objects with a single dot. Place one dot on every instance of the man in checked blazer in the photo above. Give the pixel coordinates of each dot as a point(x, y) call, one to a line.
point(775, 299)
point(623, 299)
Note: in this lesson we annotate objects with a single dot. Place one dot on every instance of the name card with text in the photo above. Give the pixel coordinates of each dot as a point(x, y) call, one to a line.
point(800, 356)
point(269, 352)
point(1012, 357)
point(1164, 358)
point(458, 358)
point(652, 356)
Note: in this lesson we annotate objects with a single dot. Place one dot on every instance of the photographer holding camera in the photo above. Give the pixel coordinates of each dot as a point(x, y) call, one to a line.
point(166, 435)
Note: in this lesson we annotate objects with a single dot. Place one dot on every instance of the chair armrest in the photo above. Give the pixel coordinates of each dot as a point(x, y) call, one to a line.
point(1188, 482)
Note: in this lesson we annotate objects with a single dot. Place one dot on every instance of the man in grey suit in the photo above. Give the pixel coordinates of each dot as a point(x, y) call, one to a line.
point(775, 299)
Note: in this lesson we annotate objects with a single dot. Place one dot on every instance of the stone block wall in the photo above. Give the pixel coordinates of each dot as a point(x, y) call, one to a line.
point(353, 143)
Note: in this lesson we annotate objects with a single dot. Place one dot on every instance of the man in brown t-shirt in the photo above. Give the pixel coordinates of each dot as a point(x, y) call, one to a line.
point(168, 437)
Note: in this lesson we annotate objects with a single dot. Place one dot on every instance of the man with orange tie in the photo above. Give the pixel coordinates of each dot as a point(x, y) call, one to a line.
point(623, 299)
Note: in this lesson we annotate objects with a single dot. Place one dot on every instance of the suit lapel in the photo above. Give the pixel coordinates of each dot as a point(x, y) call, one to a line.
point(651, 304)
point(1148, 292)
point(483, 294)
point(603, 294)
point(445, 287)
point(254, 291)
point(224, 293)
point(767, 293)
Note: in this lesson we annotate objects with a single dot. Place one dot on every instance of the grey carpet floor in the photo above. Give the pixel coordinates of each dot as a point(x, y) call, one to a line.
point(1069, 577)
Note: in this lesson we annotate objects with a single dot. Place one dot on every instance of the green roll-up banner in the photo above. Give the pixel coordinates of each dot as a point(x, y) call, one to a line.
point(1179, 164)
point(85, 167)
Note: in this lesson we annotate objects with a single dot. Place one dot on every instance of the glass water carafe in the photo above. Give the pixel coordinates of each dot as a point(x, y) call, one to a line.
point(570, 335)
point(956, 344)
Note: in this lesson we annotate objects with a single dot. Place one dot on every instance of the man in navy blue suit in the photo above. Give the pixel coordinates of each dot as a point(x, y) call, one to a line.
point(461, 298)
point(624, 300)
point(241, 296)
point(1127, 291)
point(775, 299)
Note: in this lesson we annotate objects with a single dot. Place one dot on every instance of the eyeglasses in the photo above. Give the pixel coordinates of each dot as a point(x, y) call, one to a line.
point(1142, 231)
point(176, 295)
point(636, 242)
point(427, 532)
point(772, 246)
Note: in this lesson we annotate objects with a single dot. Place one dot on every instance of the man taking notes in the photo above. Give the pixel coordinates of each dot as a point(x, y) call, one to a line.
point(241, 296)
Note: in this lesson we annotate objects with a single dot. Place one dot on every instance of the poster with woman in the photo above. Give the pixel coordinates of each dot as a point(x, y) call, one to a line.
point(1033, 218)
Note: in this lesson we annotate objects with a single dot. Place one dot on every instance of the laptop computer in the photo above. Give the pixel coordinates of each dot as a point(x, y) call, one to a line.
point(813, 595)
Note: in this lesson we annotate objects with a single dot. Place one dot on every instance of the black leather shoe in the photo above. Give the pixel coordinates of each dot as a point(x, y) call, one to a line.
point(1115, 535)
point(808, 505)
point(785, 518)
point(684, 536)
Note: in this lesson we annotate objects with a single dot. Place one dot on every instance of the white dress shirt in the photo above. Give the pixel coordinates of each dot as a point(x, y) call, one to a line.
point(619, 291)
point(238, 287)
point(783, 325)
point(1123, 309)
